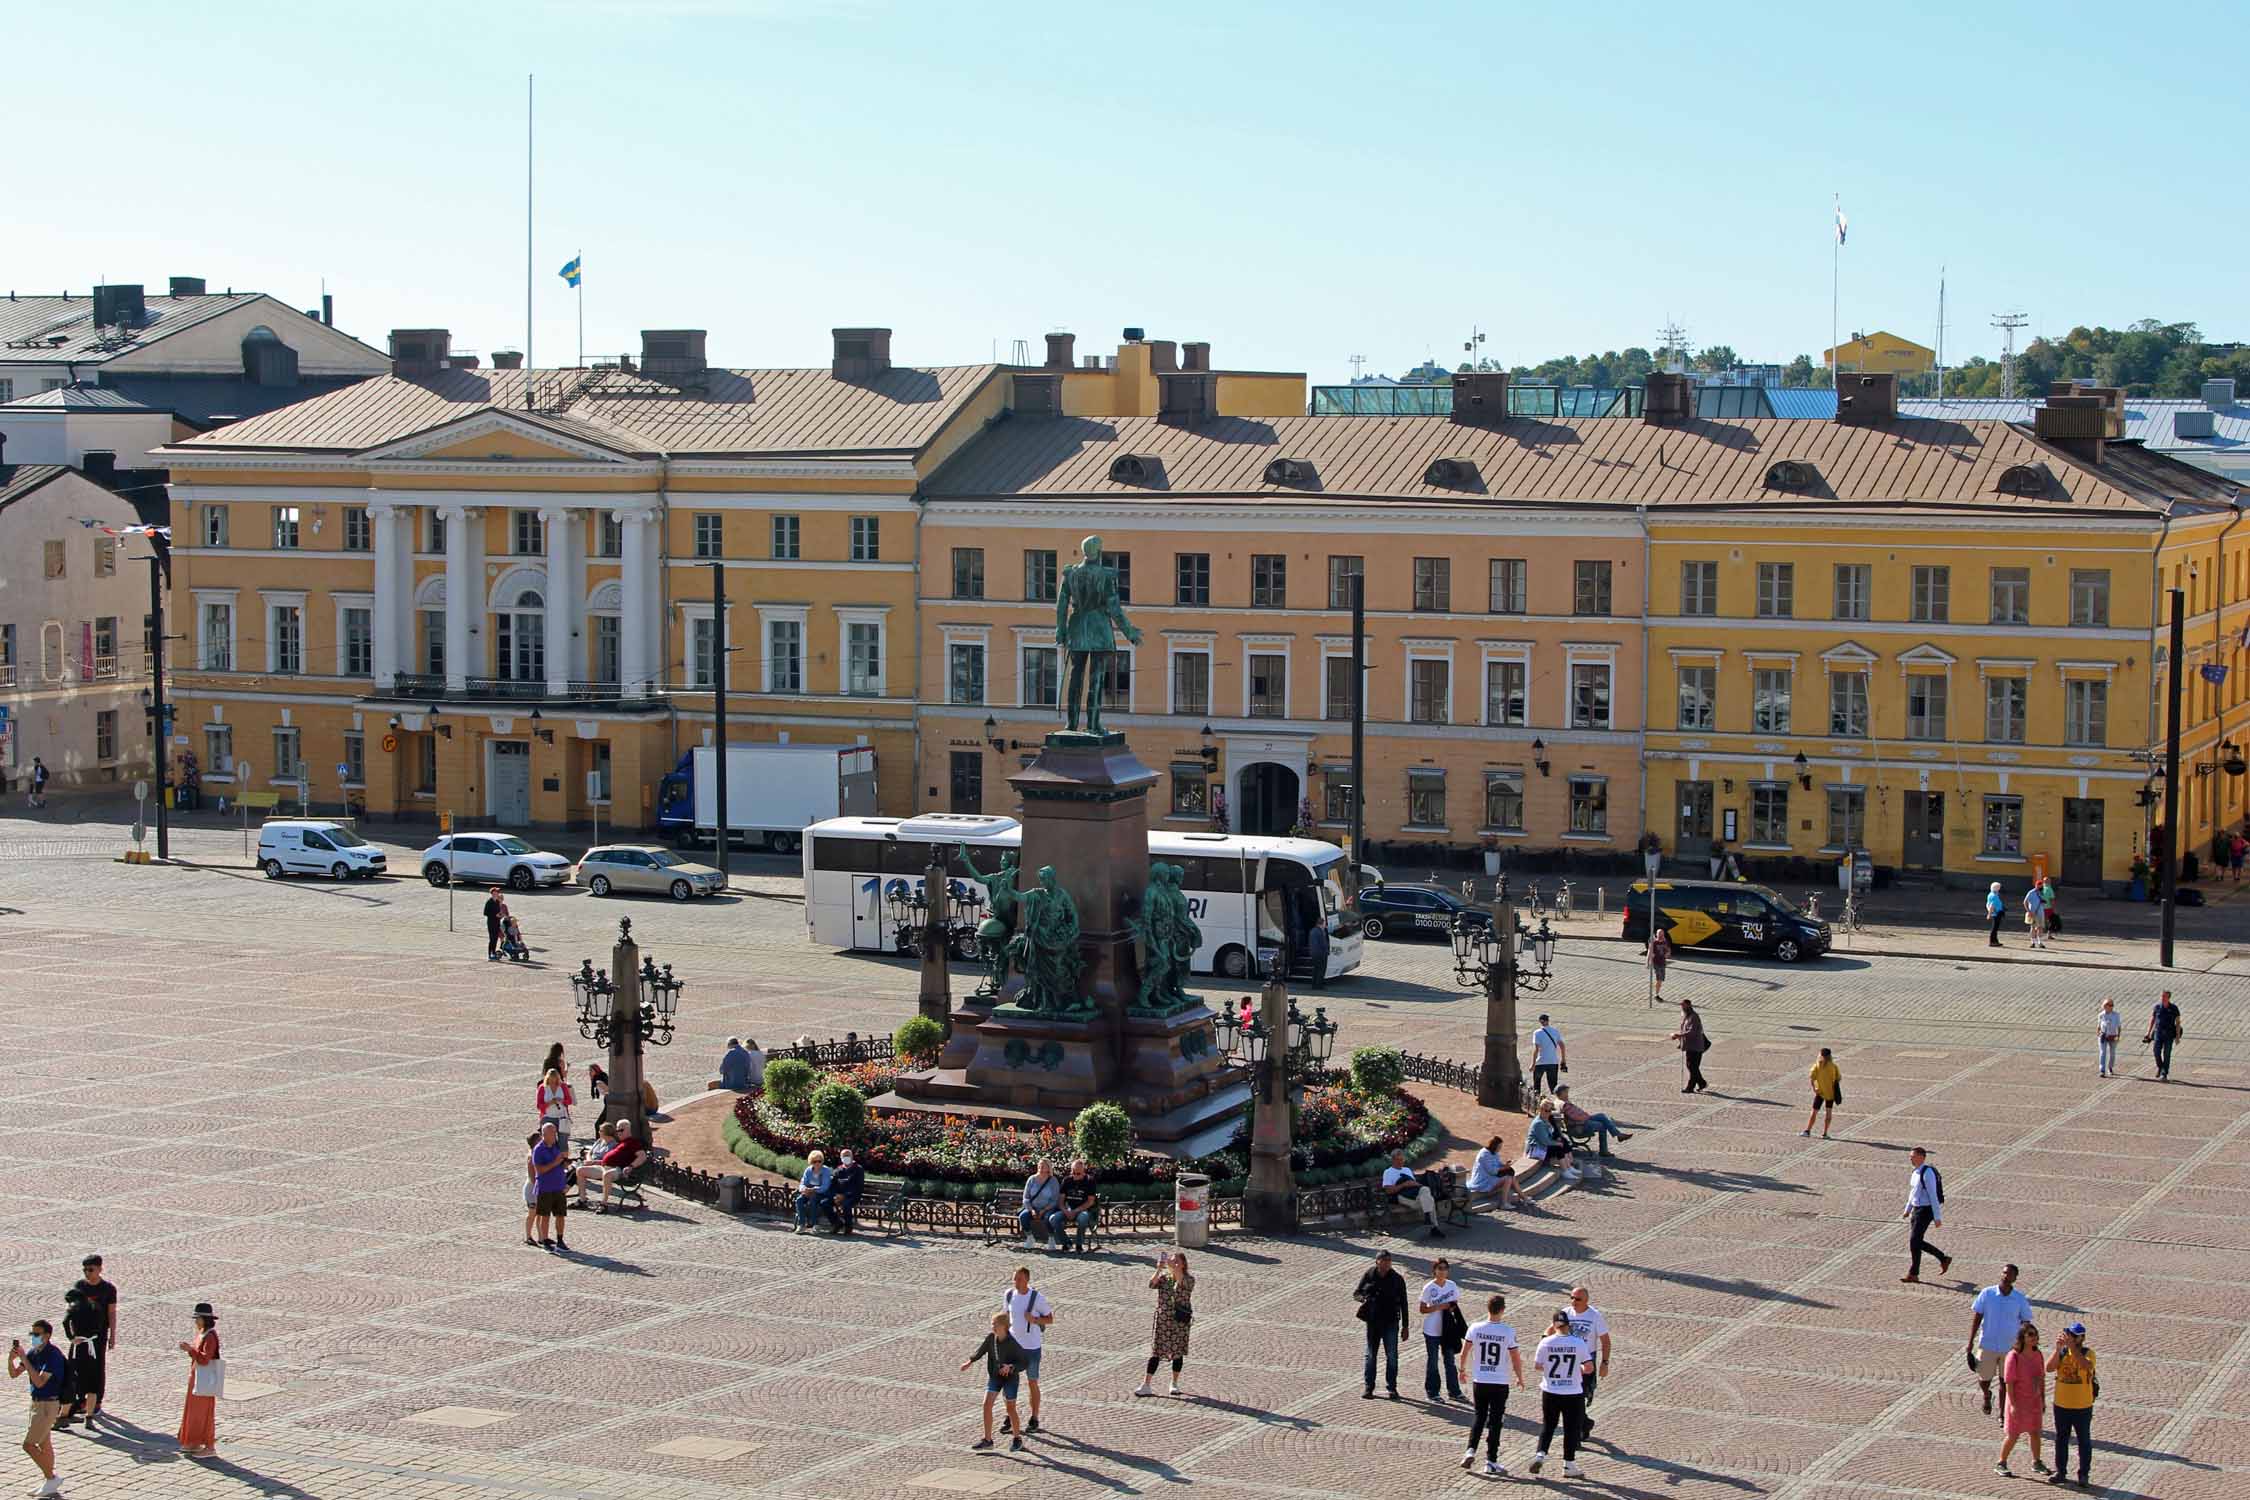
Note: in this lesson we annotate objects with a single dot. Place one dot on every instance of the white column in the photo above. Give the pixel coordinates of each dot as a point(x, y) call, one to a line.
point(394, 579)
point(464, 595)
point(638, 658)
point(566, 652)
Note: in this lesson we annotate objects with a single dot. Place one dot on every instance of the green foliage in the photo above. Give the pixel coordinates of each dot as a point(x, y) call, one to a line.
point(2147, 358)
point(789, 1084)
point(918, 1040)
point(1377, 1070)
point(839, 1115)
point(1103, 1134)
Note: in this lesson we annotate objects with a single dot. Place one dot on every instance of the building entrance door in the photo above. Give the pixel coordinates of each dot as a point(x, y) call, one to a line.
point(1269, 799)
point(2082, 841)
point(507, 783)
point(1691, 835)
point(1925, 831)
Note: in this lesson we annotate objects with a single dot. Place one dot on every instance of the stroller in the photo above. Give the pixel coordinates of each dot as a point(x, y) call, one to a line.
point(511, 941)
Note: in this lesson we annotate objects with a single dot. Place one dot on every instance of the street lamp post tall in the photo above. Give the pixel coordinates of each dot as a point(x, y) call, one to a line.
point(1282, 1045)
point(626, 1014)
point(936, 998)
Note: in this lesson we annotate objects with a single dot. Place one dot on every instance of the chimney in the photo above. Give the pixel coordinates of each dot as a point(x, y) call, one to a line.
point(187, 286)
point(1863, 399)
point(675, 355)
point(1187, 397)
point(419, 351)
point(120, 303)
point(1061, 350)
point(861, 353)
point(2076, 424)
point(99, 465)
point(461, 361)
point(267, 361)
point(507, 359)
point(1480, 397)
point(1195, 356)
point(1668, 401)
point(327, 307)
point(1163, 356)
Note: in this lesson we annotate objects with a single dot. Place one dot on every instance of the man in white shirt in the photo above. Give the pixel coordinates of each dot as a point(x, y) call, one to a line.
point(2000, 1312)
point(1925, 1210)
point(1592, 1329)
point(2106, 1026)
point(1399, 1185)
point(1494, 1174)
point(1550, 1058)
point(1029, 1313)
point(1487, 1355)
point(1562, 1358)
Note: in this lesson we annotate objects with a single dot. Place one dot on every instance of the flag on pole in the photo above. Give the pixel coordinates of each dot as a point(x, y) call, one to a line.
point(569, 272)
point(1842, 224)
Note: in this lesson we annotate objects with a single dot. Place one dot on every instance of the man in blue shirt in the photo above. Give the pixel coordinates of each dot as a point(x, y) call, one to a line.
point(549, 1165)
point(1999, 1312)
point(734, 1067)
point(43, 1365)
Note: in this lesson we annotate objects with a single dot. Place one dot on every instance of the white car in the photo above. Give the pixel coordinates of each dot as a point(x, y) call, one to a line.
point(307, 846)
point(492, 859)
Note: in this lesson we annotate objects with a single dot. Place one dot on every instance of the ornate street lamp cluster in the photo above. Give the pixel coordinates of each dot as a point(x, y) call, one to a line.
point(596, 993)
point(1476, 949)
point(1311, 1041)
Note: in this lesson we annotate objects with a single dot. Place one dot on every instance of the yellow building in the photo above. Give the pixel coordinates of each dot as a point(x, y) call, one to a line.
point(1880, 353)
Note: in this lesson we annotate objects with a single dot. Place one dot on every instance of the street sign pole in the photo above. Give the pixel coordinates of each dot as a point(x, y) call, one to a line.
point(452, 879)
point(1652, 862)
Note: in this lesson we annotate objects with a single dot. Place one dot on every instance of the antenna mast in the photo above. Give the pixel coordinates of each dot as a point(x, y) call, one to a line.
point(1357, 361)
point(2008, 323)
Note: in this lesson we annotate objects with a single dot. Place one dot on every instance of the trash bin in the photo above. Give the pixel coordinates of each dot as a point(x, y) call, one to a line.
point(1191, 1211)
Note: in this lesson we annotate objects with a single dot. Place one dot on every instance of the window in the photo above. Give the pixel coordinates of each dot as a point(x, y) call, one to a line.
point(285, 523)
point(527, 535)
point(1847, 817)
point(1933, 589)
point(863, 658)
point(7, 390)
point(1508, 585)
point(964, 672)
point(1847, 704)
point(1039, 576)
point(1769, 812)
point(710, 534)
point(1117, 682)
point(215, 525)
point(105, 557)
point(1191, 682)
point(2089, 596)
point(1590, 588)
point(1433, 584)
point(785, 656)
point(609, 538)
point(1507, 692)
point(53, 554)
point(425, 764)
point(1503, 801)
point(609, 649)
point(1855, 586)
point(1769, 700)
point(7, 655)
point(2003, 825)
point(51, 650)
point(1191, 578)
point(285, 638)
point(1589, 804)
point(1925, 707)
point(1121, 563)
point(105, 646)
point(1269, 686)
point(968, 572)
point(1191, 790)
point(1699, 588)
point(1341, 572)
point(703, 651)
point(358, 628)
point(867, 539)
point(1429, 685)
point(1589, 695)
point(1699, 695)
point(2004, 701)
point(1336, 687)
point(105, 735)
point(218, 749)
point(1269, 580)
point(1425, 798)
point(784, 538)
point(1777, 590)
point(355, 758)
point(436, 523)
point(433, 642)
point(2085, 711)
point(288, 760)
point(359, 532)
point(2011, 596)
point(1042, 682)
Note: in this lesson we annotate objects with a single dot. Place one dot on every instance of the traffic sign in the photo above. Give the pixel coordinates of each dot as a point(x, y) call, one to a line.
point(445, 822)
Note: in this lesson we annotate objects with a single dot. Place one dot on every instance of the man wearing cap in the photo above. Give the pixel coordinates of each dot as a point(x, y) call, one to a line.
point(101, 1293)
point(1549, 1057)
point(2000, 1311)
point(2072, 1365)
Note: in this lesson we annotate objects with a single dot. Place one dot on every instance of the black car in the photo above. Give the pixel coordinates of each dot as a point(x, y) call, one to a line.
point(1406, 910)
point(1726, 914)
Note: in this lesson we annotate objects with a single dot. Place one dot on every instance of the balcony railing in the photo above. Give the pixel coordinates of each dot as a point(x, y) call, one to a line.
point(7, 674)
point(430, 686)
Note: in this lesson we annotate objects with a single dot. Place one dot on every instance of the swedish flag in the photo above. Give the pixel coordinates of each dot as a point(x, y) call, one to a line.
point(569, 272)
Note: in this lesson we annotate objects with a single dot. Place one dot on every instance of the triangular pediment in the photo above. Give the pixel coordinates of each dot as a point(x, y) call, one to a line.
point(1927, 655)
point(494, 435)
point(1847, 651)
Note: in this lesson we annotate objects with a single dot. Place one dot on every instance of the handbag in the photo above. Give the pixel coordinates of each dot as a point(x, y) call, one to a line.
point(1182, 1313)
point(210, 1379)
point(1839, 1091)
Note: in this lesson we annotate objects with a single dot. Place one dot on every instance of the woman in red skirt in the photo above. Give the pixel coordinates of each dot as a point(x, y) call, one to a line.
point(199, 1421)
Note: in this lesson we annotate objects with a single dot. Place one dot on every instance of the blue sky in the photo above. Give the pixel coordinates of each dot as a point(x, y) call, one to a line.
point(1296, 183)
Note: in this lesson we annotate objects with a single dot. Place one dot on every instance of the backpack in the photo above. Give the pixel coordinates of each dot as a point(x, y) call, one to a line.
point(1937, 1182)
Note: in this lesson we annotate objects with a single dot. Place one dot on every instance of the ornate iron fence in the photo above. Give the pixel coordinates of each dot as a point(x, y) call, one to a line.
point(852, 1050)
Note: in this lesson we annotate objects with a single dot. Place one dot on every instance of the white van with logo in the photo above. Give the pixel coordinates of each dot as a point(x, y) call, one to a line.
point(301, 846)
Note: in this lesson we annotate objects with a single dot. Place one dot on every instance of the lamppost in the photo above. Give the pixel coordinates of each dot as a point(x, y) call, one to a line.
point(1282, 1045)
point(1481, 956)
point(1477, 951)
point(623, 1014)
point(936, 998)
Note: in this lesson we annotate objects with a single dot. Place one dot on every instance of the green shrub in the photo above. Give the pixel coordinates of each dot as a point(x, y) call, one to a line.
point(982, 1191)
point(791, 1167)
point(1375, 1071)
point(789, 1084)
point(839, 1115)
point(918, 1040)
point(1103, 1134)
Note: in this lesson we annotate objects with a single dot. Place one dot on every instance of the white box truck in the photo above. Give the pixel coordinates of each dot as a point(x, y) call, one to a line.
point(774, 793)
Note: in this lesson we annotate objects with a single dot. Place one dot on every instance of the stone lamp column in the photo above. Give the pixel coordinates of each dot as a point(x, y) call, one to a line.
point(1502, 1083)
point(627, 1099)
point(936, 1000)
point(1269, 1202)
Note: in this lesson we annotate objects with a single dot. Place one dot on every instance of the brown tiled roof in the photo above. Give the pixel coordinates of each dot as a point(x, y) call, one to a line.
point(1582, 462)
point(769, 412)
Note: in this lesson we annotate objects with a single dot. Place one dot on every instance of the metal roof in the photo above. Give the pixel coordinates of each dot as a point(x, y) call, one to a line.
point(19, 480)
point(60, 329)
point(77, 398)
point(1797, 403)
point(209, 399)
point(2148, 419)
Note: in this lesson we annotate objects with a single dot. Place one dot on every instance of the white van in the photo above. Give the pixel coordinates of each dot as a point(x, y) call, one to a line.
point(300, 846)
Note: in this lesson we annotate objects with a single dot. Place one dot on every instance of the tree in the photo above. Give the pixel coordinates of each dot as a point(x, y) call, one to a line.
point(1715, 358)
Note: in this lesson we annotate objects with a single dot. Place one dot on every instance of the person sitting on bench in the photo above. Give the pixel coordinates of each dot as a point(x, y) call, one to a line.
point(845, 1185)
point(1548, 1142)
point(1601, 1126)
point(616, 1166)
point(1401, 1187)
point(1491, 1173)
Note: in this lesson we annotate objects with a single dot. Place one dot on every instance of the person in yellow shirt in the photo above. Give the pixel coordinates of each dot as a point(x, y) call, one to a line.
point(2072, 1365)
point(1827, 1093)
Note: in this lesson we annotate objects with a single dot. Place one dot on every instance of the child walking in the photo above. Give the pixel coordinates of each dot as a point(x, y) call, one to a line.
point(1004, 1362)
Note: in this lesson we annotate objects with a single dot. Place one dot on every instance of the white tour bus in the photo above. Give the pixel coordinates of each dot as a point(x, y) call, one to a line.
point(856, 868)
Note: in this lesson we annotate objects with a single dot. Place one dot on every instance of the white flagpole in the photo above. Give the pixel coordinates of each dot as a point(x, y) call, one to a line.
point(529, 364)
point(1835, 285)
point(578, 259)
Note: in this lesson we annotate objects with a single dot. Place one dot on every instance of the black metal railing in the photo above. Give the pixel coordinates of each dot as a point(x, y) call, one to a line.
point(850, 1050)
point(431, 686)
point(419, 685)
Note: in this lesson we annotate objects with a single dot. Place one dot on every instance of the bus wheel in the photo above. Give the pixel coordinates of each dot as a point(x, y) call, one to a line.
point(782, 843)
point(1234, 963)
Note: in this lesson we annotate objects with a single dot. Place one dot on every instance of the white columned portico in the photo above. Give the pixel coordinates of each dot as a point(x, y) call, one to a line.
point(464, 593)
point(394, 583)
point(638, 643)
point(565, 650)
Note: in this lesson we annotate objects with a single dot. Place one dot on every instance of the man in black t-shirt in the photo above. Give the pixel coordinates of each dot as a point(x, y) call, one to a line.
point(100, 1293)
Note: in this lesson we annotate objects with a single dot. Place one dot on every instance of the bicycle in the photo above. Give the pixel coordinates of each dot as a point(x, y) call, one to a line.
point(1562, 902)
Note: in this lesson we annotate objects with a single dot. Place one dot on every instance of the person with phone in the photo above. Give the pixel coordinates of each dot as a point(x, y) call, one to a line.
point(199, 1419)
point(43, 1367)
point(2072, 1365)
point(1175, 1315)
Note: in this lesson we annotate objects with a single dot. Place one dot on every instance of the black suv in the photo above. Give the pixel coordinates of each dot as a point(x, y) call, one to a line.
point(1726, 914)
point(1404, 910)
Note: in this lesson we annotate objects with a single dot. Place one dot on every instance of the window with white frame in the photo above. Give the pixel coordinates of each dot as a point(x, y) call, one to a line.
point(1699, 696)
point(2086, 711)
point(1777, 590)
point(1769, 699)
point(214, 525)
point(218, 749)
point(433, 524)
point(288, 753)
point(355, 758)
point(1769, 812)
point(1041, 669)
point(2011, 596)
point(1508, 585)
point(1040, 579)
point(1925, 706)
point(2003, 826)
point(1336, 687)
point(433, 642)
point(1932, 601)
point(1589, 804)
point(1503, 801)
point(2005, 701)
point(1699, 588)
point(1121, 564)
point(608, 649)
point(1855, 587)
point(1269, 580)
point(964, 672)
point(286, 523)
point(1268, 677)
point(609, 536)
point(1191, 682)
point(785, 656)
point(710, 534)
point(1191, 578)
point(1847, 704)
point(1425, 798)
point(867, 539)
point(1847, 817)
point(1342, 570)
point(2089, 596)
point(355, 641)
point(285, 638)
point(527, 534)
point(1507, 692)
point(1433, 584)
point(1429, 690)
point(359, 530)
point(703, 650)
point(784, 538)
point(863, 658)
point(214, 639)
point(1589, 695)
point(1590, 590)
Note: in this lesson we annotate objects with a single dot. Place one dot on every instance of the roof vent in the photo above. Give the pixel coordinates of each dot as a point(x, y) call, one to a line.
point(1668, 400)
point(674, 355)
point(1060, 347)
point(1038, 395)
point(2188, 423)
point(187, 286)
point(461, 361)
point(861, 353)
point(1480, 396)
point(1290, 471)
point(1134, 468)
point(1163, 356)
point(121, 304)
point(2218, 393)
point(507, 359)
point(1195, 356)
point(419, 351)
point(2026, 480)
point(1451, 473)
point(266, 360)
point(1187, 397)
point(1792, 475)
point(1863, 398)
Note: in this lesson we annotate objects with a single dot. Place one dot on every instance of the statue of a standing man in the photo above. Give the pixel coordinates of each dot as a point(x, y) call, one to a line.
point(1088, 619)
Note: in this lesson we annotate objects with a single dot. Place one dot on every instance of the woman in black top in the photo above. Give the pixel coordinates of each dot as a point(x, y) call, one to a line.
point(495, 908)
point(85, 1325)
point(1004, 1363)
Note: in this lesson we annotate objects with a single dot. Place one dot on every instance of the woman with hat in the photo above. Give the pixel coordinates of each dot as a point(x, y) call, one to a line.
point(199, 1421)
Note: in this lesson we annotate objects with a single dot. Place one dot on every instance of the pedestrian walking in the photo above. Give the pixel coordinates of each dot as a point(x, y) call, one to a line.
point(1694, 1042)
point(1175, 1316)
point(2238, 850)
point(1561, 1357)
point(1381, 1295)
point(101, 1293)
point(1995, 1317)
point(2164, 1030)
point(1488, 1354)
point(82, 1329)
point(1550, 1057)
point(1443, 1328)
point(2076, 1386)
point(1592, 1329)
point(2035, 914)
point(43, 1367)
point(2050, 909)
point(1827, 1092)
point(1659, 954)
point(199, 1418)
point(548, 1167)
point(1994, 910)
point(495, 912)
point(1004, 1361)
point(2107, 1025)
point(1925, 1211)
point(1030, 1315)
point(2023, 1409)
point(38, 782)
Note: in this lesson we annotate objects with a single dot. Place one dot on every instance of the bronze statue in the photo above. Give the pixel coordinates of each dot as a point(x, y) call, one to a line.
point(1001, 903)
point(1168, 937)
point(1088, 619)
point(1045, 949)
